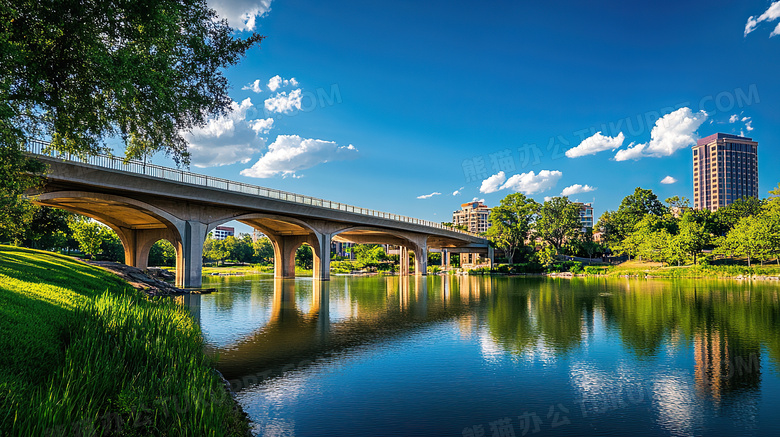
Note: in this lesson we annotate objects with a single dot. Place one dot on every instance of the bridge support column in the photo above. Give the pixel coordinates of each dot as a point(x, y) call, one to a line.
point(445, 259)
point(137, 243)
point(284, 254)
point(421, 260)
point(403, 259)
point(321, 245)
point(189, 257)
point(490, 256)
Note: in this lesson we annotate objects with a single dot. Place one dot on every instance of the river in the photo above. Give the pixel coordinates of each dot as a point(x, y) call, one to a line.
point(497, 356)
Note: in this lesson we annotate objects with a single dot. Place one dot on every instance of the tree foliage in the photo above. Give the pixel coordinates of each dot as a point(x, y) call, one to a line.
point(89, 234)
point(559, 221)
point(617, 225)
point(83, 71)
point(511, 222)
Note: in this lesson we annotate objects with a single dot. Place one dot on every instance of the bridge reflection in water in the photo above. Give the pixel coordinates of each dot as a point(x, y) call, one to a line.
point(303, 321)
point(675, 357)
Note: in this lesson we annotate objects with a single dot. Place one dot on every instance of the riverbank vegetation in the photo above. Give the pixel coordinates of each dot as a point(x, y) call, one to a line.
point(85, 354)
point(681, 241)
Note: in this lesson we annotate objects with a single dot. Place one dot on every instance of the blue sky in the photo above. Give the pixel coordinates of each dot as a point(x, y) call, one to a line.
point(378, 104)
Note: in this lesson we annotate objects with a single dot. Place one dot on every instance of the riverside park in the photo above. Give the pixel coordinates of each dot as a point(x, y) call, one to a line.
point(298, 218)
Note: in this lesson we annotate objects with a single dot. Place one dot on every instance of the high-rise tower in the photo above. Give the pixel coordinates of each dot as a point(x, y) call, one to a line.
point(725, 168)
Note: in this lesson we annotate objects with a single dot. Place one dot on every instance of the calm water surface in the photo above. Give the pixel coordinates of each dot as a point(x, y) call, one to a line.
point(472, 356)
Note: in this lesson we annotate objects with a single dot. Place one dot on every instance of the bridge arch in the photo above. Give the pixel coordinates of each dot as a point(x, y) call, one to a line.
point(287, 234)
point(406, 241)
point(137, 224)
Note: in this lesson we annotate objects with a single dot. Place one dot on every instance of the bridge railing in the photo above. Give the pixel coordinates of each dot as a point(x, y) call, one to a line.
point(38, 147)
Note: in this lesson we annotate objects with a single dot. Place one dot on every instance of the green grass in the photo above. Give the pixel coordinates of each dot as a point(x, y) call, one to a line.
point(639, 268)
point(244, 270)
point(85, 354)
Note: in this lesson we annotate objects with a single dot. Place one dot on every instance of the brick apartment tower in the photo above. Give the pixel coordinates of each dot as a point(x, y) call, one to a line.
point(725, 168)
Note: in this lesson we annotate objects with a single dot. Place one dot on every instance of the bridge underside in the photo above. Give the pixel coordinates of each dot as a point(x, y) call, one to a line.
point(140, 221)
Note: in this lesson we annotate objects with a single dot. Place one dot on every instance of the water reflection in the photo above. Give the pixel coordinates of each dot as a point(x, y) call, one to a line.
point(677, 356)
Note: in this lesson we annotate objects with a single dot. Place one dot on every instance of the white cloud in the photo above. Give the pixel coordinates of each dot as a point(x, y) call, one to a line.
point(630, 152)
point(668, 180)
point(733, 118)
point(277, 82)
point(284, 103)
point(672, 132)
point(530, 183)
point(262, 125)
point(428, 196)
point(749, 125)
point(771, 14)
point(291, 153)
point(547, 198)
point(225, 140)
point(478, 200)
point(241, 14)
point(254, 86)
point(493, 183)
point(457, 192)
point(576, 189)
point(596, 143)
point(745, 118)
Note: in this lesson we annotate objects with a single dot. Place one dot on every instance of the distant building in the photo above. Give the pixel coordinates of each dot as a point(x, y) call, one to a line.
point(344, 249)
point(586, 216)
point(256, 235)
point(725, 168)
point(473, 216)
point(222, 232)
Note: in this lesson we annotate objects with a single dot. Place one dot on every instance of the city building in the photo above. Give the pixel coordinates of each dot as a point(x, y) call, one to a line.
point(725, 168)
point(222, 232)
point(473, 216)
point(256, 235)
point(586, 216)
point(343, 249)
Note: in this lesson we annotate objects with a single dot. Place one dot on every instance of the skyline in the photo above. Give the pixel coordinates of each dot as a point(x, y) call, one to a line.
point(416, 109)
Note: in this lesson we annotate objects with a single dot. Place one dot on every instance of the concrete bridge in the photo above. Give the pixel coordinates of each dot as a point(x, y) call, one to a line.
point(145, 203)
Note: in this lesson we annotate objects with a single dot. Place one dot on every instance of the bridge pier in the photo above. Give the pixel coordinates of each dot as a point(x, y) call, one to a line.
point(138, 242)
point(321, 256)
point(421, 259)
point(284, 254)
point(189, 255)
point(403, 261)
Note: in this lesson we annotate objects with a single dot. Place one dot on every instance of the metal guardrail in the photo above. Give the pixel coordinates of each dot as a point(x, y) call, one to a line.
point(38, 147)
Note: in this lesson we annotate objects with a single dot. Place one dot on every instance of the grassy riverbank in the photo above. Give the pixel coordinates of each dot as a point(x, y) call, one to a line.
point(84, 354)
point(640, 268)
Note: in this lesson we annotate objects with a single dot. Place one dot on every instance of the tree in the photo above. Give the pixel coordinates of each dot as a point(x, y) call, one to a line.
point(89, 234)
point(369, 254)
point(751, 237)
point(510, 223)
point(111, 246)
point(244, 249)
point(617, 225)
point(728, 216)
point(47, 229)
point(692, 237)
point(677, 202)
point(559, 221)
point(214, 250)
point(263, 250)
point(162, 253)
point(304, 257)
point(83, 71)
